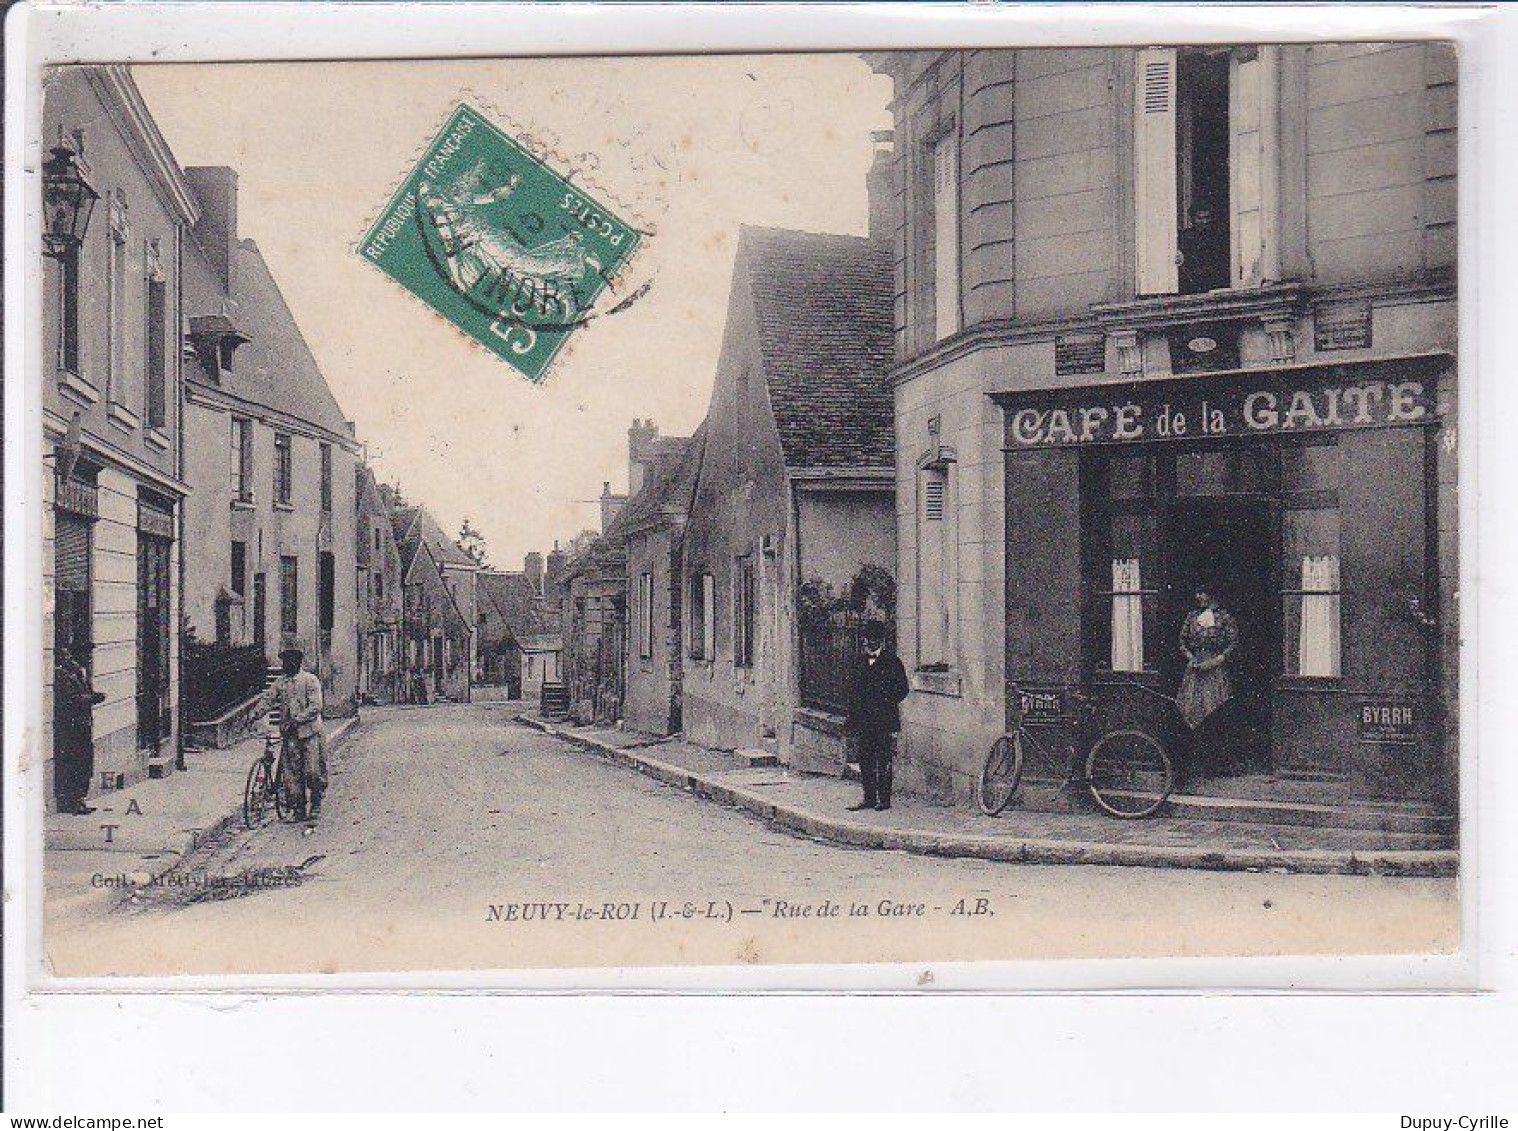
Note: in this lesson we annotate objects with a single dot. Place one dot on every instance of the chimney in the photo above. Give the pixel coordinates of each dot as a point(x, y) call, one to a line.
point(880, 182)
point(532, 566)
point(215, 188)
point(640, 442)
point(611, 505)
point(554, 571)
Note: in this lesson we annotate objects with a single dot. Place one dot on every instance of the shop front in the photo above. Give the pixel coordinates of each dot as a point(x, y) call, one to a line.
point(1305, 503)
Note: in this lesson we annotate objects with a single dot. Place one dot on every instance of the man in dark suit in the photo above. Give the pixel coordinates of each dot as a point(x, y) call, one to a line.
point(877, 685)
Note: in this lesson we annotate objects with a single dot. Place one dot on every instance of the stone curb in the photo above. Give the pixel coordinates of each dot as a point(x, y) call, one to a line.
point(187, 841)
point(1026, 850)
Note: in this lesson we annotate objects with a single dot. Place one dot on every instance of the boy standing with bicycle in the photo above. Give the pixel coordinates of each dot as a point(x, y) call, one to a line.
point(297, 697)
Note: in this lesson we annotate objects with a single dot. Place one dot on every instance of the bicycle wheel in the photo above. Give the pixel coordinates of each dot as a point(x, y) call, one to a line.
point(289, 791)
point(255, 795)
point(1129, 774)
point(1001, 775)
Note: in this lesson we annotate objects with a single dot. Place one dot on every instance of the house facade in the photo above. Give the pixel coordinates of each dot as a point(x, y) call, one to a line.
point(513, 622)
point(591, 581)
point(271, 461)
point(437, 628)
point(112, 398)
point(382, 673)
point(1170, 319)
point(415, 528)
point(654, 535)
point(792, 512)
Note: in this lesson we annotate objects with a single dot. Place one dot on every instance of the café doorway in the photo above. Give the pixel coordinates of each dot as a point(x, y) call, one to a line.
point(1222, 544)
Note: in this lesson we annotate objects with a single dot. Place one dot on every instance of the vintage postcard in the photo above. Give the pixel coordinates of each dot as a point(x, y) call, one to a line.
point(911, 506)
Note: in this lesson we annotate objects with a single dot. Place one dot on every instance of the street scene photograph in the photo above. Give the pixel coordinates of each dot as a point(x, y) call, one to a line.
point(913, 506)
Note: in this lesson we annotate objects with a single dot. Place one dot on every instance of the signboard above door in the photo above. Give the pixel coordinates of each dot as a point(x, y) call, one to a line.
point(1314, 398)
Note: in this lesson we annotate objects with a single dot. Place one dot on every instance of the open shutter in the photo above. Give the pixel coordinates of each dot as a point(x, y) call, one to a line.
point(946, 235)
point(1154, 172)
point(1245, 96)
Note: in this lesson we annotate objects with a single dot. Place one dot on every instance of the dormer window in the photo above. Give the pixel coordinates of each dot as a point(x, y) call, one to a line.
point(215, 340)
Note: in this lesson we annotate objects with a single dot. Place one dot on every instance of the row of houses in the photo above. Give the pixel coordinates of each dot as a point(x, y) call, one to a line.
point(206, 498)
point(1129, 324)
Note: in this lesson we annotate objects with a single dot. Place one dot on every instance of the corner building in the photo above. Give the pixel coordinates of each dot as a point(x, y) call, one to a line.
point(1176, 318)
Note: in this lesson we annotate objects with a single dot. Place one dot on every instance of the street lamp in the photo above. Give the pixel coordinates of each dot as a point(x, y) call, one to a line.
point(68, 200)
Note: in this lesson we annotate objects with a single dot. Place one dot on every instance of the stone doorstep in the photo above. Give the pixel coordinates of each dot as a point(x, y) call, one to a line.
point(1020, 850)
point(756, 757)
point(1048, 797)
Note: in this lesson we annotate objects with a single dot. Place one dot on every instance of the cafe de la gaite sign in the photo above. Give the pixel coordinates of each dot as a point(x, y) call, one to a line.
point(1315, 398)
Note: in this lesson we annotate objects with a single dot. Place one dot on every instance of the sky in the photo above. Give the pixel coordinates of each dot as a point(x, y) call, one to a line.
point(692, 147)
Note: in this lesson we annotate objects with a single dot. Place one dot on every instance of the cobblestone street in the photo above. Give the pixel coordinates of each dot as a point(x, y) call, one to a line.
point(458, 838)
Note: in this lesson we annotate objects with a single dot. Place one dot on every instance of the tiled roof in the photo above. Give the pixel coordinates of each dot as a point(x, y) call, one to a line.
point(513, 597)
point(670, 487)
point(414, 525)
point(275, 367)
point(823, 306)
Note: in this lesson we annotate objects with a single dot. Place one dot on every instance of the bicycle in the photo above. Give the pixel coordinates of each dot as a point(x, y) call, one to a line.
point(1126, 771)
point(273, 783)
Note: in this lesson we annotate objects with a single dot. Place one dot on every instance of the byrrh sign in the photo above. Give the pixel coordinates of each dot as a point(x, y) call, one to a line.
point(1307, 399)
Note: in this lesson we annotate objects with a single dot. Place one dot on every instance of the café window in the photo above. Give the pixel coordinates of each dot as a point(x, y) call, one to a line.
point(1130, 565)
point(1311, 577)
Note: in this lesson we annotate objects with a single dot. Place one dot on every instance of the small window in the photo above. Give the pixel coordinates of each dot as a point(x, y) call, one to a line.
point(240, 568)
point(1312, 596)
point(946, 235)
point(242, 459)
point(703, 629)
point(115, 297)
point(326, 590)
point(157, 414)
point(646, 615)
point(745, 612)
point(68, 285)
point(326, 473)
point(283, 467)
point(289, 595)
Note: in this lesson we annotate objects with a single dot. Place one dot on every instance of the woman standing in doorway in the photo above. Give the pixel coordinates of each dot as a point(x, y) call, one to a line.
point(1208, 637)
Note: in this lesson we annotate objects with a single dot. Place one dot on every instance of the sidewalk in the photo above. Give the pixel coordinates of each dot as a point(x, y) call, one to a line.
point(815, 806)
point(138, 834)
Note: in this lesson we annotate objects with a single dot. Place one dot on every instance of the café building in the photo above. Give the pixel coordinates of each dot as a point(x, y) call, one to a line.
point(1305, 500)
point(1171, 319)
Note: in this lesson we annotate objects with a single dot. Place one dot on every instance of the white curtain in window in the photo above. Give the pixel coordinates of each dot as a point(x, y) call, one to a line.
point(1318, 647)
point(1127, 616)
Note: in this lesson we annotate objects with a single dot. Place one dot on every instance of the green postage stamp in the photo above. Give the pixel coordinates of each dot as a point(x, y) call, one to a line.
point(512, 253)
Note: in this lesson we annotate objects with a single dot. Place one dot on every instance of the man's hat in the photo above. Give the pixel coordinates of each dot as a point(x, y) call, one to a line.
point(296, 652)
point(288, 646)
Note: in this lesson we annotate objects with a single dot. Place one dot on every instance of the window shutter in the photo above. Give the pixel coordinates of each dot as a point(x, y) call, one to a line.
point(709, 621)
point(1154, 172)
point(1245, 163)
point(946, 235)
point(933, 500)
